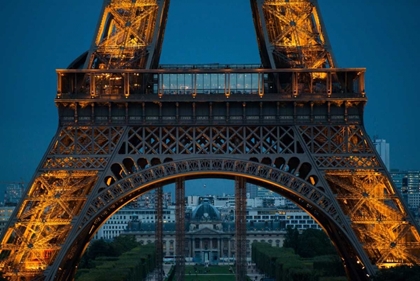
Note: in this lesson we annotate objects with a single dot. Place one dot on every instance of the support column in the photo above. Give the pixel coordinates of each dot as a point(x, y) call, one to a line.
point(159, 233)
point(180, 229)
point(240, 227)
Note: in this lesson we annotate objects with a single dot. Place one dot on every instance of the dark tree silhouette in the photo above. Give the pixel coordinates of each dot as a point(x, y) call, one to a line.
point(401, 273)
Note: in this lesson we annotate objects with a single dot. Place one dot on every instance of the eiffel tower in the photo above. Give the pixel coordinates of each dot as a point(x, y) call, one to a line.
point(293, 124)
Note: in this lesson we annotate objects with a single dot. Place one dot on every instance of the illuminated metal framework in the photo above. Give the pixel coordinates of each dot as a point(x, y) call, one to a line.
point(129, 35)
point(240, 229)
point(291, 34)
point(125, 129)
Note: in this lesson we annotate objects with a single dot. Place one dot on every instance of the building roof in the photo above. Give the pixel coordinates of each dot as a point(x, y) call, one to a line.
point(205, 212)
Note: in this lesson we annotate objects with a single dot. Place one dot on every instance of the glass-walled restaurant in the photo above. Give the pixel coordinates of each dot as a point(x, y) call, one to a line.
point(130, 83)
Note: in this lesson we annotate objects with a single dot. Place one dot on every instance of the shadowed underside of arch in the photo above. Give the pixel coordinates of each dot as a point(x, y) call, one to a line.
point(312, 199)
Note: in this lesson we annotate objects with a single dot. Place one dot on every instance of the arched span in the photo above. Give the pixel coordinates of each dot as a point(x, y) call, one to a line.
point(321, 206)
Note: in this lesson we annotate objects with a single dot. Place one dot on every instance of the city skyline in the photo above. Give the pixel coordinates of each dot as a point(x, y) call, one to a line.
point(47, 35)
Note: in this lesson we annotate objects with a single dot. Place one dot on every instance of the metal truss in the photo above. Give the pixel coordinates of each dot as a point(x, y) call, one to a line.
point(240, 229)
point(41, 223)
point(129, 35)
point(378, 215)
point(340, 147)
point(366, 194)
point(60, 189)
point(321, 205)
point(72, 201)
point(300, 135)
point(291, 34)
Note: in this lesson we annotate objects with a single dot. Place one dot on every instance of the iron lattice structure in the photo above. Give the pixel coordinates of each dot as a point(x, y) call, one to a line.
point(127, 127)
point(129, 35)
point(291, 34)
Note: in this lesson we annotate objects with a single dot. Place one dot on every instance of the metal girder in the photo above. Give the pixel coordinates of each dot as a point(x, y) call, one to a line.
point(384, 226)
point(291, 34)
point(129, 35)
point(301, 135)
point(284, 154)
point(43, 220)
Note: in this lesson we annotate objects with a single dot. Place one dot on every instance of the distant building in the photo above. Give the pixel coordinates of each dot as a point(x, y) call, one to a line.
point(141, 209)
point(13, 194)
point(408, 183)
point(210, 226)
point(257, 191)
point(251, 190)
point(5, 214)
point(382, 147)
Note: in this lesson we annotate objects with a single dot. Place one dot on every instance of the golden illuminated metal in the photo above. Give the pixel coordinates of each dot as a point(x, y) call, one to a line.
point(378, 216)
point(295, 126)
point(290, 34)
point(43, 220)
point(129, 35)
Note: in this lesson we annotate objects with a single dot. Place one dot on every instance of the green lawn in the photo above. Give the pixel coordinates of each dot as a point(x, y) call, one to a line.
point(219, 273)
point(210, 278)
point(212, 269)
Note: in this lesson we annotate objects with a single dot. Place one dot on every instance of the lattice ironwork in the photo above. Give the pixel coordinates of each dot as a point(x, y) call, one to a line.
point(250, 140)
point(129, 35)
point(291, 34)
point(378, 216)
point(43, 220)
point(297, 131)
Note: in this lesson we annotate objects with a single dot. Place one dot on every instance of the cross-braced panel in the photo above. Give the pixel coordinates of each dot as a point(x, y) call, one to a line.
point(250, 140)
point(78, 147)
point(44, 219)
point(378, 216)
point(129, 35)
point(340, 147)
point(291, 34)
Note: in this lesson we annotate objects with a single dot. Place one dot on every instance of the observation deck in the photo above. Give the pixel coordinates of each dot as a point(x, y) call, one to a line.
point(217, 93)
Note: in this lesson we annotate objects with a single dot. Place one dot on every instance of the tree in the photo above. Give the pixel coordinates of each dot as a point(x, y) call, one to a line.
point(124, 243)
point(314, 242)
point(291, 239)
point(401, 273)
point(99, 248)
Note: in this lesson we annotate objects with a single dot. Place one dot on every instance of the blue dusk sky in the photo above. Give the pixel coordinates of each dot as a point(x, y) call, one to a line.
point(40, 36)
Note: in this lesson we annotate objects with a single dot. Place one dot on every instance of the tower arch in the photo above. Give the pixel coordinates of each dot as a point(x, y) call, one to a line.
point(317, 203)
point(294, 124)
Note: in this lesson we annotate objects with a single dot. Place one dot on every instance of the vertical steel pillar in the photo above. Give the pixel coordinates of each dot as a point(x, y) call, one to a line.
point(180, 229)
point(240, 226)
point(159, 233)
